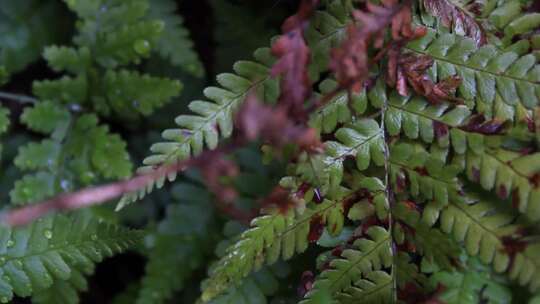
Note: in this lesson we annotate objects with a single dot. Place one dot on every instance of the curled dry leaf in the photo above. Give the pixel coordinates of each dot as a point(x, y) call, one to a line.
point(479, 124)
point(457, 19)
point(350, 62)
point(280, 199)
point(214, 168)
point(293, 59)
point(275, 126)
point(411, 69)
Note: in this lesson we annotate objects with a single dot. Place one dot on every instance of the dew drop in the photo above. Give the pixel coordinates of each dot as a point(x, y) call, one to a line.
point(4, 300)
point(18, 264)
point(94, 237)
point(26, 191)
point(2, 261)
point(48, 234)
point(10, 243)
point(75, 107)
point(135, 103)
point(142, 47)
point(65, 185)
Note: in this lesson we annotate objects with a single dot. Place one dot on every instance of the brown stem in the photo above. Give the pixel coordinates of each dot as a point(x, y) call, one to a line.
point(100, 194)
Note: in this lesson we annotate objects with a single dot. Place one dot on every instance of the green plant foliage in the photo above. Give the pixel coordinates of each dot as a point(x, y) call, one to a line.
point(432, 197)
point(198, 131)
point(472, 285)
point(54, 249)
point(272, 236)
point(26, 27)
point(171, 245)
point(376, 287)
point(495, 83)
point(234, 39)
point(367, 255)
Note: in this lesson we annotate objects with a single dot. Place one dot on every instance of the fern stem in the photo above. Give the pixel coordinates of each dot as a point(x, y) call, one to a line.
point(17, 97)
point(389, 197)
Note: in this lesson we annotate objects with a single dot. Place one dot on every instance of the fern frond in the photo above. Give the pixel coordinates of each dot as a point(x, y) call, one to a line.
point(45, 117)
point(511, 18)
point(64, 291)
point(428, 241)
point(272, 236)
point(368, 254)
point(423, 175)
point(494, 82)
point(508, 173)
point(338, 110)
point(214, 120)
point(27, 27)
point(174, 43)
point(179, 245)
point(469, 286)
point(61, 58)
point(253, 289)
point(34, 257)
point(407, 272)
point(486, 229)
point(375, 287)
point(33, 188)
point(129, 92)
point(73, 89)
point(362, 140)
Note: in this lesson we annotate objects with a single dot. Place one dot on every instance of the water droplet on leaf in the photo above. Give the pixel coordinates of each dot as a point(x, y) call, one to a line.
point(142, 47)
point(10, 243)
point(65, 185)
point(48, 234)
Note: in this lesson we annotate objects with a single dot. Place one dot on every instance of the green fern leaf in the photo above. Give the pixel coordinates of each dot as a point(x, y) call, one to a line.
point(429, 242)
point(61, 58)
point(4, 120)
point(63, 291)
point(178, 246)
point(424, 176)
point(215, 119)
point(45, 117)
point(369, 254)
point(374, 288)
point(71, 89)
point(174, 43)
point(338, 109)
point(473, 285)
point(507, 173)
point(33, 188)
point(130, 92)
point(272, 237)
point(41, 155)
point(25, 28)
point(46, 251)
point(494, 82)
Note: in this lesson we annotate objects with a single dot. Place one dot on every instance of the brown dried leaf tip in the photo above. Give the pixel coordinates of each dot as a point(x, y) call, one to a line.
point(293, 59)
point(479, 124)
point(412, 69)
point(215, 168)
point(274, 126)
point(280, 199)
point(457, 19)
point(351, 61)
